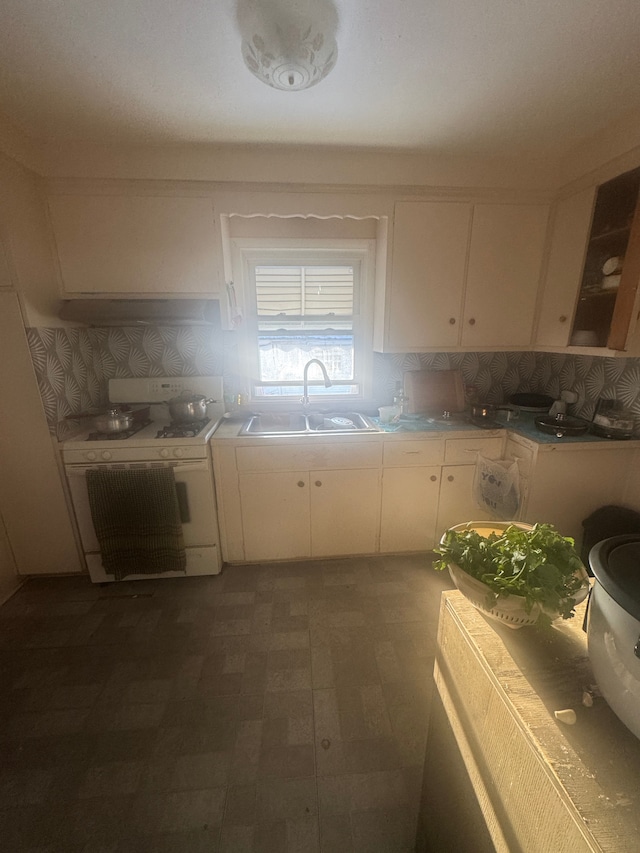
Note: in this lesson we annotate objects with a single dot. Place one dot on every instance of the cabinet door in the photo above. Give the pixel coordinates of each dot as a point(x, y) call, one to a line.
point(136, 244)
point(409, 509)
point(345, 512)
point(569, 236)
point(505, 260)
point(429, 254)
point(275, 515)
point(457, 504)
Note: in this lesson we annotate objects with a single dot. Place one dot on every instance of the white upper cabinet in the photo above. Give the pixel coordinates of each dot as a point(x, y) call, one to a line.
point(463, 275)
point(424, 298)
point(569, 236)
point(505, 261)
point(136, 244)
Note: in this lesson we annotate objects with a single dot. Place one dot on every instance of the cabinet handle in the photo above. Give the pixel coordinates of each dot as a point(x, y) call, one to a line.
point(452, 321)
point(410, 452)
point(318, 482)
point(301, 483)
point(433, 478)
point(472, 322)
point(450, 478)
point(563, 318)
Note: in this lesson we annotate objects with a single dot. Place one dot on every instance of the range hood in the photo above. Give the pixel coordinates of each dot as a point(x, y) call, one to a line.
point(141, 312)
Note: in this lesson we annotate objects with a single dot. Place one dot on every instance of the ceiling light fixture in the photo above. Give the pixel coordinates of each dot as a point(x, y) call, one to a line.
point(288, 44)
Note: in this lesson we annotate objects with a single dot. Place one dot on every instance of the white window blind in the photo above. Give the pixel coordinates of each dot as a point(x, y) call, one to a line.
point(304, 291)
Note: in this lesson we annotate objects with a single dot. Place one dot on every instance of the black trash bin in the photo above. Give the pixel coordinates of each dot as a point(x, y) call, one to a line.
point(605, 522)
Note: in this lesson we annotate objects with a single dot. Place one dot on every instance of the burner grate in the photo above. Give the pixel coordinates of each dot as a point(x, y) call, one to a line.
point(185, 430)
point(119, 436)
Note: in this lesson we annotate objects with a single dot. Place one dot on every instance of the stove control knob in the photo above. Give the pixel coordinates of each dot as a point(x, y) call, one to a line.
point(106, 455)
point(178, 452)
point(164, 453)
point(92, 455)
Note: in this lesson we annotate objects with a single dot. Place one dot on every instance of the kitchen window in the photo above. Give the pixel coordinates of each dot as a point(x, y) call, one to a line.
point(304, 302)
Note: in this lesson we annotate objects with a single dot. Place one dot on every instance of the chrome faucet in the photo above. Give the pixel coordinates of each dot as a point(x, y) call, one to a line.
point(305, 380)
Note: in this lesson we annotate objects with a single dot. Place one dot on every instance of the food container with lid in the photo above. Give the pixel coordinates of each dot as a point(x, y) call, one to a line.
point(612, 420)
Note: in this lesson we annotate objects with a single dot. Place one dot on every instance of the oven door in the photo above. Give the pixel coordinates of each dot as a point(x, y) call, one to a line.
point(194, 488)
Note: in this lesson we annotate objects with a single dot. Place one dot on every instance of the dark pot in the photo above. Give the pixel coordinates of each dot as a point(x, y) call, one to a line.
point(483, 410)
point(532, 402)
point(561, 425)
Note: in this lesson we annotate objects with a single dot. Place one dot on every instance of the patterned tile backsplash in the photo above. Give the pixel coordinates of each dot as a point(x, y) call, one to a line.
point(73, 366)
point(496, 375)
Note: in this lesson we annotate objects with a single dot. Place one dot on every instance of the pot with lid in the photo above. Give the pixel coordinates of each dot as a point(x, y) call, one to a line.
point(613, 625)
point(189, 408)
point(112, 421)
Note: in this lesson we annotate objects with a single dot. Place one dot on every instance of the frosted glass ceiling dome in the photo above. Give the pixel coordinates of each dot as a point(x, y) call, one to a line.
point(288, 44)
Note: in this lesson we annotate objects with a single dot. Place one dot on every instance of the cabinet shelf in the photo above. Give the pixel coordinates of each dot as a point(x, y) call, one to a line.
point(599, 296)
point(615, 233)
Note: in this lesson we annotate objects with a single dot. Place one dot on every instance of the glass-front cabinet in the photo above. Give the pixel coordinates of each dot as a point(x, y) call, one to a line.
point(593, 270)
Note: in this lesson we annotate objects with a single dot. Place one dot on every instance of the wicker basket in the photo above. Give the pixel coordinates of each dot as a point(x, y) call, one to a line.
point(508, 609)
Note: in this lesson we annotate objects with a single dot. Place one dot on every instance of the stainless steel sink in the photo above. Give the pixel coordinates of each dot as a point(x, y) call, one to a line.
point(340, 422)
point(297, 423)
point(270, 424)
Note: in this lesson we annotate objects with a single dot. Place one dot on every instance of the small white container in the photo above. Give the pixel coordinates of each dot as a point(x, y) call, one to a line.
point(388, 413)
point(584, 338)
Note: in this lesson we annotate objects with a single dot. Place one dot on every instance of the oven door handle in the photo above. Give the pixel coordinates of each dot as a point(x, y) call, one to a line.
point(178, 467)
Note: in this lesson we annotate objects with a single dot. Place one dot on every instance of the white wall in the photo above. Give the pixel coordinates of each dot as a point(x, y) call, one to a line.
point(299, 165)
point(32, 500)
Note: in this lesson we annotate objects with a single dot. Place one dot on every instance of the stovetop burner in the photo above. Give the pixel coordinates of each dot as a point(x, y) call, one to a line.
point(119, 436)
point(186, 430)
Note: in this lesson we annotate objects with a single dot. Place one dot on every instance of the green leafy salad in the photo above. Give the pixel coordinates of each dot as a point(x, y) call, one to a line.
point(539, 564)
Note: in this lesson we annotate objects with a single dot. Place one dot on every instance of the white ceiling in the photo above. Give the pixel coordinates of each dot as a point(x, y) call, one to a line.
point(481, 77)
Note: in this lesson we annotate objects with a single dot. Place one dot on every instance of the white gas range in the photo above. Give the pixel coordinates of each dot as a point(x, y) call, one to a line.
point(151, 444)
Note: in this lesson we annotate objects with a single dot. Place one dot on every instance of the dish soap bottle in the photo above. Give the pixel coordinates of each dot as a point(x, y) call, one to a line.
point(399, 400)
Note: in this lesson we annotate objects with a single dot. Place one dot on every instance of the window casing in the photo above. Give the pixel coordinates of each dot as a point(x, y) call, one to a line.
point(307, 299)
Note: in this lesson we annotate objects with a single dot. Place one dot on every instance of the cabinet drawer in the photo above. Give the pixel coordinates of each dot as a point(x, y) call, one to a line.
point(400, 454)
point(295, 457)
point(463, 450)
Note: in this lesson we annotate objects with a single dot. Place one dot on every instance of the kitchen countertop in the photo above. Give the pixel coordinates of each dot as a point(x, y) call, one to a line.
point(500, 689)
point(412, 427)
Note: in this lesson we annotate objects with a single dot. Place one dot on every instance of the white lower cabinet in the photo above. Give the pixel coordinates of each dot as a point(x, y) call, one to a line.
point(296, 500)
point(275, 515)
point(409, 509)
point(410, 487)
point(456, 503)
point(296, 514)
point(309, 513)
point(345, 512)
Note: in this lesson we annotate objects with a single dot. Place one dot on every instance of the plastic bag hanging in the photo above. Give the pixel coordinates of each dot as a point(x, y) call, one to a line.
point(496, 486)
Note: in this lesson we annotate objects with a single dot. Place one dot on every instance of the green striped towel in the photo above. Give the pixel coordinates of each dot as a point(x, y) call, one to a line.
point(137, 520)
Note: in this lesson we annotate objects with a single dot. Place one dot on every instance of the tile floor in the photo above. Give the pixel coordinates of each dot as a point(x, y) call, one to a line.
point(276, 707)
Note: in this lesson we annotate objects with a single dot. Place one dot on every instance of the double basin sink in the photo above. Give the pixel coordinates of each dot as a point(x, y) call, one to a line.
point(300, 423)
